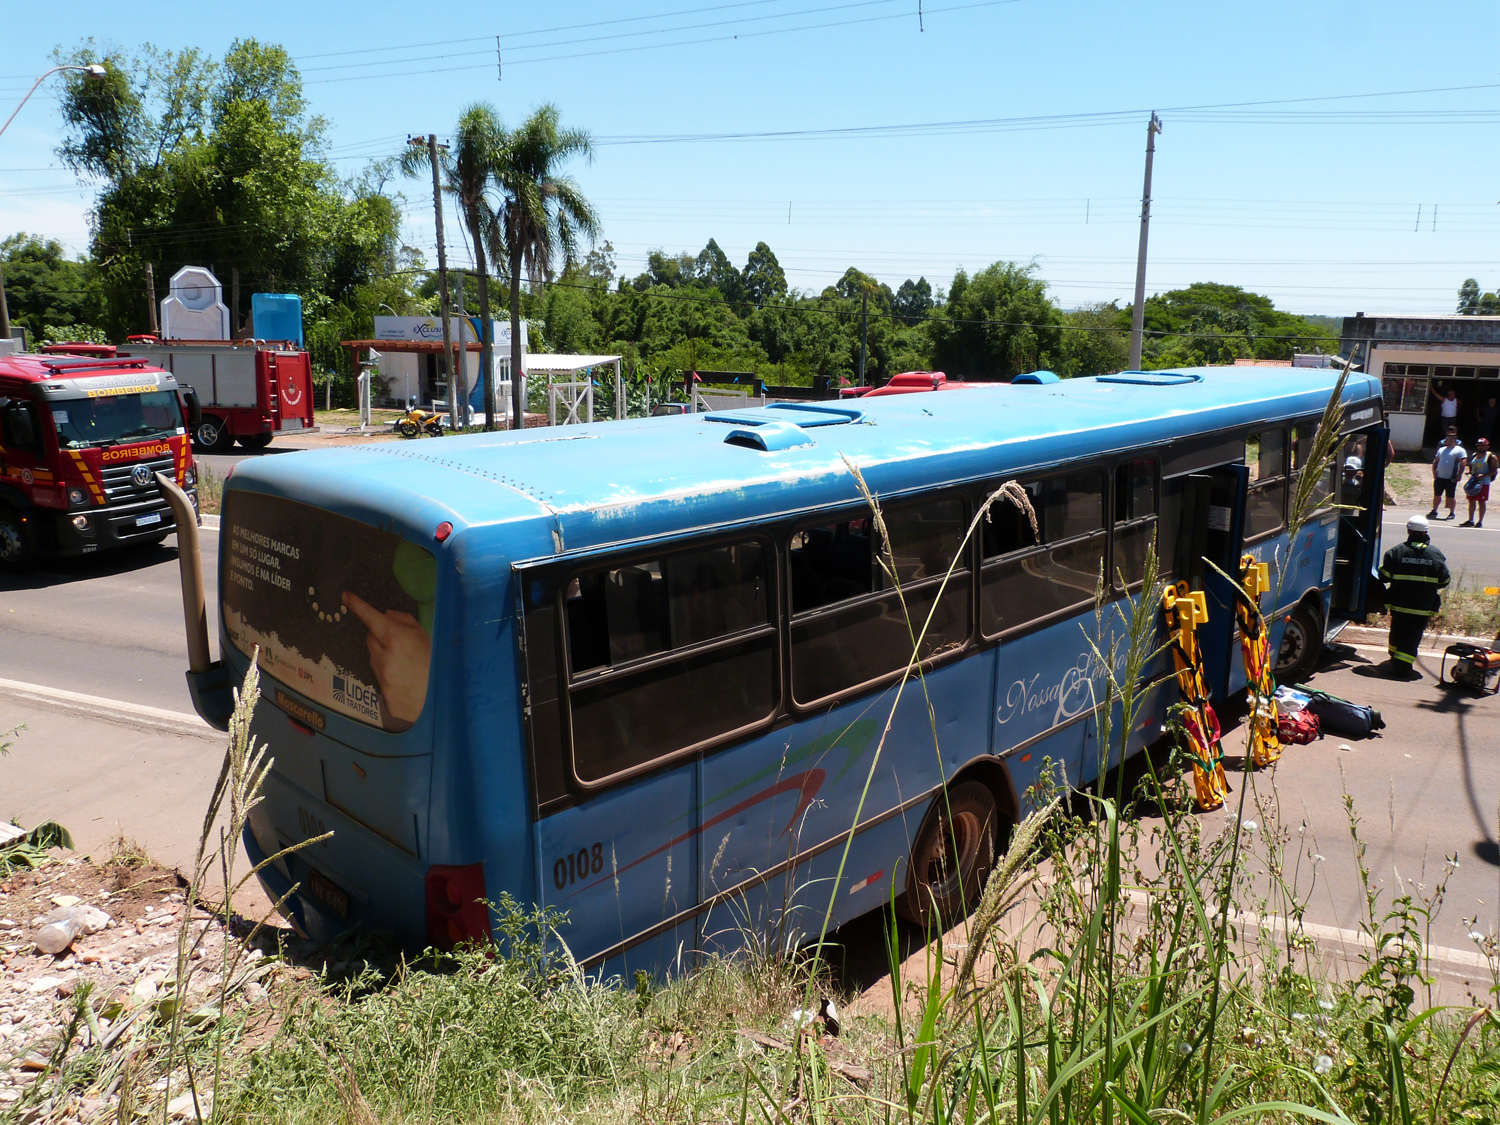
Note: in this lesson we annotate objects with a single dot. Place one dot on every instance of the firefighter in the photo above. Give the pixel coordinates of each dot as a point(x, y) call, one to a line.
point(1414, 575)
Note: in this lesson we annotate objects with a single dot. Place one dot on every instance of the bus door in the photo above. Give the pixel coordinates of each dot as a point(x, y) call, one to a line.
point(1361, 476)
point(1219, 498)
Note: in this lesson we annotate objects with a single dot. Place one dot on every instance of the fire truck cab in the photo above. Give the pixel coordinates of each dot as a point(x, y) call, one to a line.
point(81, 441)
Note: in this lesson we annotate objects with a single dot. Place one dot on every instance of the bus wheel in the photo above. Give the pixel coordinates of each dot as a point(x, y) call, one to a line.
point(952, 856)
point(213, 436)
point(15, 551)
point(1301, 645)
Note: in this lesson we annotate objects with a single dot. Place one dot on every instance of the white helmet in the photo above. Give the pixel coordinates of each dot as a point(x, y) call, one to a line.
point(1353, 464)
point(1417, 524)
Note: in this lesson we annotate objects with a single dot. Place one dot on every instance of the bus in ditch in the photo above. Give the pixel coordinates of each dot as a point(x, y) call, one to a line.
point(638, 671)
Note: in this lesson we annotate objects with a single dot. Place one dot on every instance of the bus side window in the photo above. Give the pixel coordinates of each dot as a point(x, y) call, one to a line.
point(667, 654)
point(1303, 434)
point(848, 626)
point(1265, 456)
point(1135, 518)
point(1025, 582)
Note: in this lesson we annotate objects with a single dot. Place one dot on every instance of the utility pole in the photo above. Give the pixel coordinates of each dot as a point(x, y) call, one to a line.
point(445, 308)
point(864, 331)
point(4, 311)
point(1138, 314)
point(458, 393)
point(151, 300)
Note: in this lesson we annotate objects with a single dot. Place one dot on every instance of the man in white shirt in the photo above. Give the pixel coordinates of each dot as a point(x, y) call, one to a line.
point(1447, 467)
point(1447, 408)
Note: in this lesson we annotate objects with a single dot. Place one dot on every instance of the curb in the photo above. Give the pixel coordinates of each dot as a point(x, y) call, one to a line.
point(1361, 634)
point(211, 522)
point(109, 710)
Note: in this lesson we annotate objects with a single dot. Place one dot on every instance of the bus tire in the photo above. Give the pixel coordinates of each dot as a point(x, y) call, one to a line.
point(212, 436)
point(952, 857)
point(15, 542)
point(1301, 646)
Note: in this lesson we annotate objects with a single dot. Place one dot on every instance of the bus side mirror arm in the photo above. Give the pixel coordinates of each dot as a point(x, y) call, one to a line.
point(207, 679)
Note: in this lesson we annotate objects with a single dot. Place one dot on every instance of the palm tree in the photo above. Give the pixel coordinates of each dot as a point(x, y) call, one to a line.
point(542, 214)
point(468, 169)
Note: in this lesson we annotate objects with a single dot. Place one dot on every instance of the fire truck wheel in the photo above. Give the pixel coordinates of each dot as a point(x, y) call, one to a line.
point(212, 436)
point(15, 545)
point(1301, 646)
point(952, 856)
point(254, 441)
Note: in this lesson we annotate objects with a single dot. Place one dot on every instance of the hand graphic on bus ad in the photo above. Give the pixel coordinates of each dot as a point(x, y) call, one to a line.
point(400, 651)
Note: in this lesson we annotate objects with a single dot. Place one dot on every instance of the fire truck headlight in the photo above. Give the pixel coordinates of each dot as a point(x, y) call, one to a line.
point(77, 497)
point(81, 523)
point(189, 477)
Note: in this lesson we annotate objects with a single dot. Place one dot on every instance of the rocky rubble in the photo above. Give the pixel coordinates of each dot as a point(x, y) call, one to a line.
point(114, 929)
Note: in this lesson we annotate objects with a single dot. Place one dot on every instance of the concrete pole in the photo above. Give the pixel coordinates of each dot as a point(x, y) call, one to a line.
point(446, 309)
point(458, 389)
point(4, 310)
point(1138, 313)
point(864, 331)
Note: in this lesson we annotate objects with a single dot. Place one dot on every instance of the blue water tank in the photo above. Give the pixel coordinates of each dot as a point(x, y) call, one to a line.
point(278, 316)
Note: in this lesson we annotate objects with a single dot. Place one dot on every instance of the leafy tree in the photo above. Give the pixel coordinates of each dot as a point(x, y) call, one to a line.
point(542, 215)
point(1489, 304)
point(49, 293)
point(762, 280)
point(1468, 297)
point(1210, 323)
point(218, 163)
point(996, 325)
point(913, 300)
point(1094, 345)
point(713, 269)
point(855, 284)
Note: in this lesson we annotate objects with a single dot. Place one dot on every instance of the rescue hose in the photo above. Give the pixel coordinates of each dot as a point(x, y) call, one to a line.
point(1185, 611)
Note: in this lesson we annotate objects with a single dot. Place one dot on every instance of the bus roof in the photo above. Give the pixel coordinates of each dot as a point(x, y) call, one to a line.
point(610, 482)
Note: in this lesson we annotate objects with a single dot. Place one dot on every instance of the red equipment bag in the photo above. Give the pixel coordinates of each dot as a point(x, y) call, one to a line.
point(1299, 726)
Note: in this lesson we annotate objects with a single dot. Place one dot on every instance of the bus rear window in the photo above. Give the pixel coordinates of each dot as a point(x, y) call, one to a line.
point(341, 611)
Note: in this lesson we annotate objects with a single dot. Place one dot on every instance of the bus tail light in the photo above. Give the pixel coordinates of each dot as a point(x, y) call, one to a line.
point(457, 913)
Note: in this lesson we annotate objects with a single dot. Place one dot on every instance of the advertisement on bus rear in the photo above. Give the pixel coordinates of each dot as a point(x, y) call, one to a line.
point(341, 611)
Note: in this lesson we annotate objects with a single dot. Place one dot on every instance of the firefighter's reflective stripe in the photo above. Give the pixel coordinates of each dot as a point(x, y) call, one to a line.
point(1413, 612)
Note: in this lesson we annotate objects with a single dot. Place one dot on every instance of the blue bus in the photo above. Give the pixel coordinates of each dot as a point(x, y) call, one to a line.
point(638, 671)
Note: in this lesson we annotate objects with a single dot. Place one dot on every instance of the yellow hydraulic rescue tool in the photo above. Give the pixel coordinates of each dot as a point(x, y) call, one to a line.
point(1255, 646)
point(1185, 612)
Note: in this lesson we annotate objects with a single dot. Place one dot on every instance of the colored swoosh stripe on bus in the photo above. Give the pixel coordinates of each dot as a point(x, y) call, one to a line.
point(808, 782)
point(855, 738)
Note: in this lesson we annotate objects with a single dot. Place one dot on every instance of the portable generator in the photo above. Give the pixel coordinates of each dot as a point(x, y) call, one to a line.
point(1475, 668)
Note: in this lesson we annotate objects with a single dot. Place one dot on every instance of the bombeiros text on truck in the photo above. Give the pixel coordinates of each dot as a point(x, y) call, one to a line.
point(82, 440)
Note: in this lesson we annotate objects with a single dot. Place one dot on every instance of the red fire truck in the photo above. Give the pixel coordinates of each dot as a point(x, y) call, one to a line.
point(250, 390)
point(81, 441)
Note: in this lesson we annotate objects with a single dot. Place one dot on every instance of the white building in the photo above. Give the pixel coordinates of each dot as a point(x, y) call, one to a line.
point(411, 362)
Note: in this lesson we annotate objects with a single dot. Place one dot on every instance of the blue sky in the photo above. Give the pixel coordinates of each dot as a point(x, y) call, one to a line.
point(1312, 202)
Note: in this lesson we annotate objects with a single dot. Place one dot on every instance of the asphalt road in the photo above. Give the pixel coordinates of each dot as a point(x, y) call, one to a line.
point(1473, 553)
point(107, 625)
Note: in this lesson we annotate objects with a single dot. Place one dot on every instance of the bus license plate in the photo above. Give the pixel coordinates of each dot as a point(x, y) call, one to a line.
point(147, 521)
point(326, 893)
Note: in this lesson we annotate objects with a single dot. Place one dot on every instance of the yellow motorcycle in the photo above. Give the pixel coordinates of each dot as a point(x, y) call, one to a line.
point(416, 422)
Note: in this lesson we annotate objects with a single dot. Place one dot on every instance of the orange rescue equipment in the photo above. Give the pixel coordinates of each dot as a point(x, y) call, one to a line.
point(1185, 612)
point(1255, 646)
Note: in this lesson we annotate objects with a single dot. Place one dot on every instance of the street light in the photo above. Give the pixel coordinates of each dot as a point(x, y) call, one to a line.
point(94, 73)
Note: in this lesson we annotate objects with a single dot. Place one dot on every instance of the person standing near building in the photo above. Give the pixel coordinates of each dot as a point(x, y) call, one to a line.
point(1447, 408)
point(1414, 575)
point(1447, 467)
point(1488, 415)
point(1483, 468)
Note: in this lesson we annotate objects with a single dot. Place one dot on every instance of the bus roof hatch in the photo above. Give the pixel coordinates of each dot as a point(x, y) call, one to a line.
point(802, 414)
